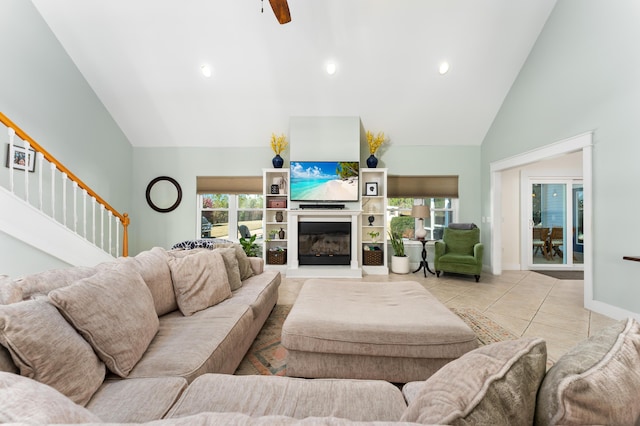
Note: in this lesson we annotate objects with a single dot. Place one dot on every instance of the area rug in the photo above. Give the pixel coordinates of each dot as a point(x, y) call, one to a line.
point(563, 275)
point(487, 331)
point(266, 356)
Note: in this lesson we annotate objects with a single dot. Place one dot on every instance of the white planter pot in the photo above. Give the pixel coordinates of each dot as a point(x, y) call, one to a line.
point(400, 265)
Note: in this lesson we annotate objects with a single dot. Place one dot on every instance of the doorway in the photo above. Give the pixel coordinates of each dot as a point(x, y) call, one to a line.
point(580, 143)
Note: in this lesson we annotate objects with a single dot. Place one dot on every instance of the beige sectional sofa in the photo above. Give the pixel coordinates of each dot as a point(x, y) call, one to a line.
point(56, 375)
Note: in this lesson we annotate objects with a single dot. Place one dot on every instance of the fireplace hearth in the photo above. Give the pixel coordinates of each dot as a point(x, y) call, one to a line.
point(324, 243)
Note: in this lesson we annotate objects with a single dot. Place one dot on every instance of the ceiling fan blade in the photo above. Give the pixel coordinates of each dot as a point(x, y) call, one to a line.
point(281, 10)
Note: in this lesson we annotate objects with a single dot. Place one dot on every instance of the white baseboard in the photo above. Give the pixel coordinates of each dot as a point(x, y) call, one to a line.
point(609, 310)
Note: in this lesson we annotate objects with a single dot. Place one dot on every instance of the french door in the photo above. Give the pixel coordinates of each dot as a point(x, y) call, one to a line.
point(554, 238)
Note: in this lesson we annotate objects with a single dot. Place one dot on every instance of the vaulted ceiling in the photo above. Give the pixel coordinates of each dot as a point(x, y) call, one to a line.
point(143, 59)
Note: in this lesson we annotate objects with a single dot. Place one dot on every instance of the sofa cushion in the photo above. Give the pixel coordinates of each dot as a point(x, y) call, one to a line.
point(232, 266)
point(47, 349)
point(153, 267)
point(207, 341)
point(136, 400)
point(42, 283)
point(494, 384)
point(596, 382)
point(258, 292)
point(199, 281)
point(243, 260)
point(27, 401)
point(114, 312)
point(360, 400)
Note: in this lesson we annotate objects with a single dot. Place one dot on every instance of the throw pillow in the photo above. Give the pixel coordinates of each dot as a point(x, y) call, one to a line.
point(42, 283)
point(23, 400)
point(243, 260)
point(152, 266)
point(114, 312)
point(47, 349)
point(494, 384)
point(232, 267)
point(596, 382)
point(179, 253)
point(199, 281)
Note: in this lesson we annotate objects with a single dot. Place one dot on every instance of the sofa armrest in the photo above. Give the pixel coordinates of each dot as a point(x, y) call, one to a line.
point(257, 265)
point(441, 248)
point(478, 251)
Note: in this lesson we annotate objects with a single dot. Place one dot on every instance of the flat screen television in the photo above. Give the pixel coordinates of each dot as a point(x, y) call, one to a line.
point(324, 181)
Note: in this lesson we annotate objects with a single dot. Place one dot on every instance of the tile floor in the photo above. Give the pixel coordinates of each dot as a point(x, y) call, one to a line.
point(524, 302)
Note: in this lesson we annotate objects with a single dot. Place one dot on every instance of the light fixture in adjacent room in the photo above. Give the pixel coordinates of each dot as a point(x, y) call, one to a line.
point(443, 68)
point(331, 68)
point(206, 70)
point(420, 212)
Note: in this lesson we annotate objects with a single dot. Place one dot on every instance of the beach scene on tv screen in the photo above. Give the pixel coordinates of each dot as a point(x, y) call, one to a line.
point(324, 181)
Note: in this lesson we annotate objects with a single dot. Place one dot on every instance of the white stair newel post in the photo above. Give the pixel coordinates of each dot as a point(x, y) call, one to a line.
point(75, 206)
point(102, 226)
point(53, 190)
point(27, 154)
point(84, 213)
point(110, 217)
point(93, 219)
point(64, 199)
point(12, 134)
point(40, 158)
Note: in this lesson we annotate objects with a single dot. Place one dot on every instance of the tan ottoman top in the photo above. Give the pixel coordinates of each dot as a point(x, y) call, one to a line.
point(399, 319)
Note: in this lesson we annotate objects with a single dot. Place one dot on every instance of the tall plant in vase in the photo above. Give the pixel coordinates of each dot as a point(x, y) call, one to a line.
point(374, 142)
point(278, 145)
point(399, 260)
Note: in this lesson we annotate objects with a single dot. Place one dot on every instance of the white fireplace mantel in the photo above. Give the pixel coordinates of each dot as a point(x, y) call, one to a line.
point(294, 269)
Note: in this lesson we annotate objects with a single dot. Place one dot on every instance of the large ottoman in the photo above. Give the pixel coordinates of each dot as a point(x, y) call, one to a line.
point(393, 331)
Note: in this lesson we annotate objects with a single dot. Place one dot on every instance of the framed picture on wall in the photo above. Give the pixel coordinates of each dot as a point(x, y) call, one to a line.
point(22, 160)
point(371, 188)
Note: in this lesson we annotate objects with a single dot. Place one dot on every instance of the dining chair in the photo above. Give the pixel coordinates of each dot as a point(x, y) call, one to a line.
point(556, 240)
point(541, 241)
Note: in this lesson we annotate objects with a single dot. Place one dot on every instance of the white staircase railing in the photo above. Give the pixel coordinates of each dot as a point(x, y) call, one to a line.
point(40, 181)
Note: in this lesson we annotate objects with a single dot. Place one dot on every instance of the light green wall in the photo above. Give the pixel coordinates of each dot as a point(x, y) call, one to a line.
point(185, 164)
point(584, 74)
point(43, 92)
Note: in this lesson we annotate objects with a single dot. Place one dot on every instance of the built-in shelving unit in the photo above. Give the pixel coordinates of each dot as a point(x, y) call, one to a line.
point(373, 224)
point(369, 221)
point(275, 216)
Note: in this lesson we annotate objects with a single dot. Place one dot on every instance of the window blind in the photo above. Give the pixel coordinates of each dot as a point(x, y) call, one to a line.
point(422, 186)
point(229, 185)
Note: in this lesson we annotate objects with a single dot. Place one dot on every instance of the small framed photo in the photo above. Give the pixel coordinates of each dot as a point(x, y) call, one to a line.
point(22, 160)
point(371, 188)
point(275, 189)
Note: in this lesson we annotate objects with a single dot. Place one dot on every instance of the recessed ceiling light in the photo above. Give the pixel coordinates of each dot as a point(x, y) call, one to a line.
point(331, 68)
point(207, 71)
point(443, 68)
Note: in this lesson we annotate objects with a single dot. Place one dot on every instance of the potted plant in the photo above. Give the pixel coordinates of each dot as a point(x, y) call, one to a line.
point(272, 234)
point(399, 260)
point(249, 246)
point(374, 236)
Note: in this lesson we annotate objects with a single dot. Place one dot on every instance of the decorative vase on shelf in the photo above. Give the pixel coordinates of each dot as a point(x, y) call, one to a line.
point(279, 217)
point(372, 162)
point(281, 234)
point(278, 161)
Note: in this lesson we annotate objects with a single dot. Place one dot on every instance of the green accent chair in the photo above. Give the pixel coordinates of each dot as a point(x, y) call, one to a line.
point(460, 252)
